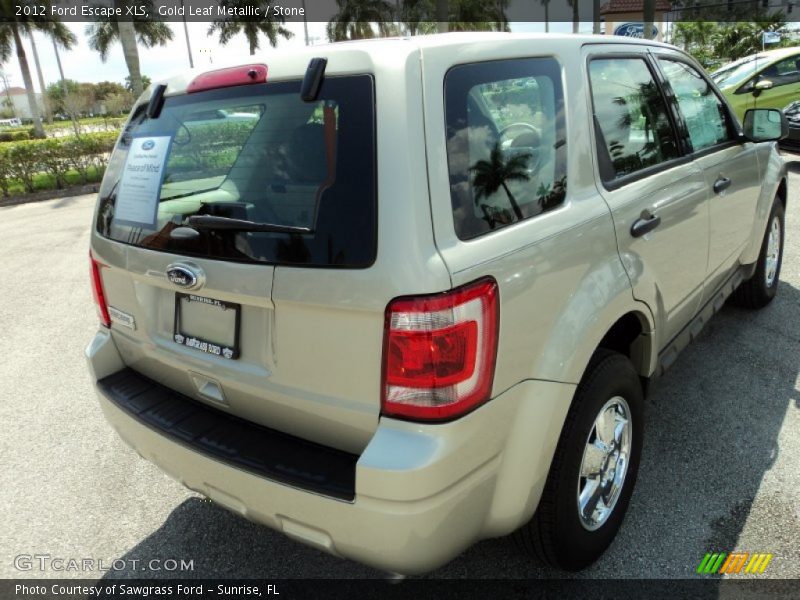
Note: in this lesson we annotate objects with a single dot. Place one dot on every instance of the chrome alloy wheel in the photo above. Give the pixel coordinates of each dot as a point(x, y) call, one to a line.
point(773, 252)
point(605, 463)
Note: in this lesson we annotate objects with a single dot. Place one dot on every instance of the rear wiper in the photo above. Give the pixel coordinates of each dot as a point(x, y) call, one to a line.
point(229, 224)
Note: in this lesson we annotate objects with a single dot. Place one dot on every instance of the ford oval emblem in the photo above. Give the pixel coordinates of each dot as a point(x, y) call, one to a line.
point(148, 145)
point(183, 276)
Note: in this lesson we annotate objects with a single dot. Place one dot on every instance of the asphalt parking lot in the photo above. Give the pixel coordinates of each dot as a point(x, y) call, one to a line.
point(719, 470)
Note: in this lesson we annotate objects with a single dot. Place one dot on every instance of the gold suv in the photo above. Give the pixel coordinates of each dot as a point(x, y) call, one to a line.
point(394, 297)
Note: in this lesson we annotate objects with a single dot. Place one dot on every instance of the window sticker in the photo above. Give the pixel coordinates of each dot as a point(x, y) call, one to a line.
point(140, 186)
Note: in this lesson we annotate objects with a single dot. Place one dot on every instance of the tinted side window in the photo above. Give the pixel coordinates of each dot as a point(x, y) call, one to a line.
point(506, 142)
point(782, 72)
point(634, 130)
point(704, 113)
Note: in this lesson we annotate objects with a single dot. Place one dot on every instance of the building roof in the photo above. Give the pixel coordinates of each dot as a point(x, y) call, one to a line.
point(16, 91)
point(632, 6)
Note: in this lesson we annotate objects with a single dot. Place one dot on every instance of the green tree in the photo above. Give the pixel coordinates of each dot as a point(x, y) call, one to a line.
point(354, 20)
point(269, 26)
point(418, 16)
point(104, 89)
point(56, 93)
point(60, 35)
point(732, 41)
point(478, 15)
point(490, 175)
point(421, 16)
point(146, 81)
point(104, 34)
point(12, 28)
point(118, 103)
point(695, 37)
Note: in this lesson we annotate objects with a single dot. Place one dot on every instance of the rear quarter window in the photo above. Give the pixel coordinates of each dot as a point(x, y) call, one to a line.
point(506, 142)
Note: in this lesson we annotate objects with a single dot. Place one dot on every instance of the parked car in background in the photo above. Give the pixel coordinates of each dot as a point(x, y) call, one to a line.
point(12, 122)
point(414, 299)
point(768, 79)
point(792, 113)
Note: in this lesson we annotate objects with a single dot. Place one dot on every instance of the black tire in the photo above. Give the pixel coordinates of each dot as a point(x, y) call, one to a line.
point(556, 533)
point(756, 292)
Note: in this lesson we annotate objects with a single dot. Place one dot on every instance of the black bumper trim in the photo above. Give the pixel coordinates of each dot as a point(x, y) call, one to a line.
point(231, 440)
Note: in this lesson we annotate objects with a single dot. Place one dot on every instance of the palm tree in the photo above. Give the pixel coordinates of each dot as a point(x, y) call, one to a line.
point(478, 15)
point(490, 175)
point(546, 4)
point(442, 14)
point(690, 34)
point(427, 16)
point(576, 17)
point(60, 35)
point(418, 16)
point(12, 30)
point(103, 34)
point(354, 19)
point(648, 16)
point(45, 104)
point(252, 30)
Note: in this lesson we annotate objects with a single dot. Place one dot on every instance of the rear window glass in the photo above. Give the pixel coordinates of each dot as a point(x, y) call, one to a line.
point(506, 142)
point(255, 154)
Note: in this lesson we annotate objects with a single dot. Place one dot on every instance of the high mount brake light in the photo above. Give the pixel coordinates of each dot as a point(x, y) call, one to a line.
point(439, 352)
point(99, 295)
point(244, 75)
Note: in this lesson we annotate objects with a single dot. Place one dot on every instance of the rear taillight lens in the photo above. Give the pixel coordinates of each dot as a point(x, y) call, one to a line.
point(99, 295)
point(439, 352)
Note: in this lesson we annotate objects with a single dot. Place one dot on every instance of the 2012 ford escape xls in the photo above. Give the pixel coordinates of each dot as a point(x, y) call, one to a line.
point(393, 297)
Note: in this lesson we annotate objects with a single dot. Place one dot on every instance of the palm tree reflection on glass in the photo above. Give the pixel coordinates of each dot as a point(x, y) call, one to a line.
point(490, 175)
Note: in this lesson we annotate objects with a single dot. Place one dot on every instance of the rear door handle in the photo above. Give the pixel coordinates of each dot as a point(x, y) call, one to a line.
point(722, 184)
point(645, 224)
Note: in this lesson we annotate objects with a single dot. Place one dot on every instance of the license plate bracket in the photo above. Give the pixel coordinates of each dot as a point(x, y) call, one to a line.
point(209, 318)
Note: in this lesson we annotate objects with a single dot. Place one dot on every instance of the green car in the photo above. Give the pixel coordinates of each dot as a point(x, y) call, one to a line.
point(765, 80)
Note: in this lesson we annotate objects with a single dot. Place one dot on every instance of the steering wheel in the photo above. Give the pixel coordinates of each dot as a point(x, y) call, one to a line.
point(527, 136)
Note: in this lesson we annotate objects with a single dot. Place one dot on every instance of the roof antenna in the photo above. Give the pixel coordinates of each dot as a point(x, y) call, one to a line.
point(312, 82)
point(156, 101)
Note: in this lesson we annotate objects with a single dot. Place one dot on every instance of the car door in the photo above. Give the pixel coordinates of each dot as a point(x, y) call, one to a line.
point(729, 163)
point(658, 197)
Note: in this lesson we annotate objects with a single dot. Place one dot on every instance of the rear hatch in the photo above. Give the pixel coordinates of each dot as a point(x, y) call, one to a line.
point(204, 206)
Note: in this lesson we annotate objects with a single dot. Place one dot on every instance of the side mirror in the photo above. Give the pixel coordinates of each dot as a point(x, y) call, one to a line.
point(764, 84)
point(765, 125)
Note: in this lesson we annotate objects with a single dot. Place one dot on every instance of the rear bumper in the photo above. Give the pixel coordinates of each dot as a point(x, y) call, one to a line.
point(423, 493)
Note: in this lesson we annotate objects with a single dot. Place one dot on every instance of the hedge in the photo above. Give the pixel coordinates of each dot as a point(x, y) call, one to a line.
point(55, 156)
point(15, 135)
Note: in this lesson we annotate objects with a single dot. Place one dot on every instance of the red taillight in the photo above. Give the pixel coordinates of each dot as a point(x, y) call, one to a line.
point(245, 75)
point(439, 352)
point(99, 296)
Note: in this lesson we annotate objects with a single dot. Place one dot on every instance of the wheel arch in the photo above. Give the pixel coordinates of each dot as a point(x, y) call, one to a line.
point(631, 336)
point(783, 191)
